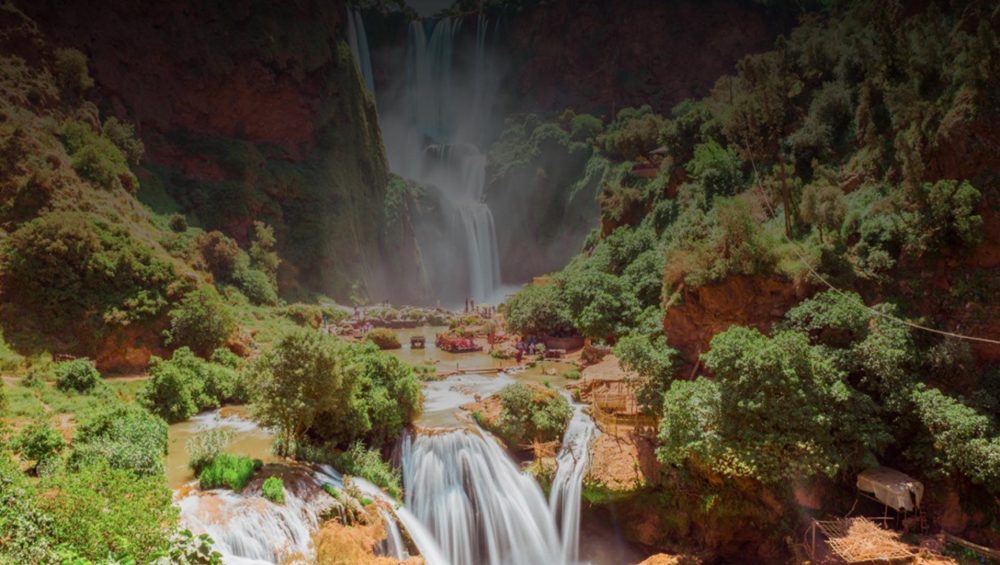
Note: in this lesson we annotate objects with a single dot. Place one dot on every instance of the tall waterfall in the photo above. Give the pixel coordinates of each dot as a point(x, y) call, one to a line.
point(357, 39)
point(434, 124)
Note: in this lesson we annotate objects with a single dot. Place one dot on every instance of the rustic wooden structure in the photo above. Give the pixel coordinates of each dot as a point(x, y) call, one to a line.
point(618, 412)
point(418, 342)
point(858, 540)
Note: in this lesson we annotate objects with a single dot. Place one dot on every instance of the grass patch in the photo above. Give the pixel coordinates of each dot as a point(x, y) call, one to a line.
point(228, 471)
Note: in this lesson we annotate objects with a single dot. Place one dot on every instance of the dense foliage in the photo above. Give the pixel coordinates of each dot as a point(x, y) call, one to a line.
point(311, 386)
point(72, 270)
point(121, 436)
point(184, 385)
point(530, 414)
point(79, 375)
point(201, 321)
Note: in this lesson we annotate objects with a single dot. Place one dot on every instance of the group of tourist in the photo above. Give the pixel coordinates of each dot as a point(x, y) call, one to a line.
point(527, 346)
point(484, 311)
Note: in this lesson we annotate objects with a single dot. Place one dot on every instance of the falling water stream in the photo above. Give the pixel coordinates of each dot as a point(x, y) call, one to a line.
point(466, 500)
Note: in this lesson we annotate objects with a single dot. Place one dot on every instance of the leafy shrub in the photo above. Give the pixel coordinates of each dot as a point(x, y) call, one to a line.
point(220, 254)
point(966, 440)
point(79, 375)
point(228, 471)
point(226, 358)
point(384, 338)
point(369, 465)
point(178, 223)
point(122, 134)
point(532, 414)
point(25, 526)
point(263, 257)
point(105, 513)
point(585, 127)
point(38, 442)
point(71, 74)
point(256, 286)
point(384, 396)
point(122, 436)
point(96, 158)
point(717, 169)
point(306, 315)
point(205, 447)
point(634, 133)
point(185, 385)
point(273, 489)
point(777, 409)
point(201, 321)
point(572, 375)
point(186, 548)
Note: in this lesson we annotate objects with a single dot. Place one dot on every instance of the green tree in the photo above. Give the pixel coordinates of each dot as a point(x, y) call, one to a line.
point(823, 206)
point(655, 364)
point(598, 304)
point(716, 168)
point(71, 74)
point(303, 375)
point(532, 414)
point(779, 409)
point(201, 321)
point(263, 257)
point(537, 310)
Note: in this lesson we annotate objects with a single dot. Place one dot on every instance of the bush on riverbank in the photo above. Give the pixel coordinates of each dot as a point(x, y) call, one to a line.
point(184, 385)
point(531, 413)
point(384, 338)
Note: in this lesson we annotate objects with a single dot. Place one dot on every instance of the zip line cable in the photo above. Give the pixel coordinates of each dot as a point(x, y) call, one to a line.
point(821, 278)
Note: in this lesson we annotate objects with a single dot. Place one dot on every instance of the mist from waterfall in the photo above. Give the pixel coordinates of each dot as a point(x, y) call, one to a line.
point(436, 114)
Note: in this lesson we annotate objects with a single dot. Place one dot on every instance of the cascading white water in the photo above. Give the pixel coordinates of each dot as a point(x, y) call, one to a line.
point(475, 502)
point(564, 498)
point(357, 39)
point(393, 545)
point(249, 529)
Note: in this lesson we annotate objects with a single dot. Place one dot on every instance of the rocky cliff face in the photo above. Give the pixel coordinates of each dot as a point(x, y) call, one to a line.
point(249, 112)
point(604, 56)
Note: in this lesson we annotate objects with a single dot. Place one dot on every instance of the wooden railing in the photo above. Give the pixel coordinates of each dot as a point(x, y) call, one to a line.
point(618, 413)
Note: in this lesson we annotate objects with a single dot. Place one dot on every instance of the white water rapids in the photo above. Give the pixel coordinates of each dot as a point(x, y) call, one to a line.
point(466, 503)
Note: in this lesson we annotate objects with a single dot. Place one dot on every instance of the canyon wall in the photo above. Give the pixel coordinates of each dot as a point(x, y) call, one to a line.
point(251, 111)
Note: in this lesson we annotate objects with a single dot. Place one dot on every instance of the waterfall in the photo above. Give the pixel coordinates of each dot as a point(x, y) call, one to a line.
point(393, 545)
point(249, 529)
point(442, 111)
point(357, 39)
point(475, 502)
point(564, 498)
